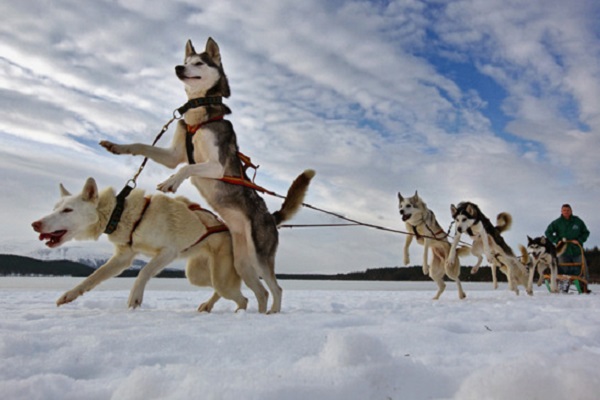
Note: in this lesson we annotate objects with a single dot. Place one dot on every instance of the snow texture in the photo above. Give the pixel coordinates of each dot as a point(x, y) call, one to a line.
point(338, 343)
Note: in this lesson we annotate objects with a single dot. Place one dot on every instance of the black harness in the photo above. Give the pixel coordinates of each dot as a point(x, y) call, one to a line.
point(117, 212)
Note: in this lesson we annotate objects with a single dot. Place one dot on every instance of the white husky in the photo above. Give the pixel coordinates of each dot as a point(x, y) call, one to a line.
point(158, 226)
point(421, 222)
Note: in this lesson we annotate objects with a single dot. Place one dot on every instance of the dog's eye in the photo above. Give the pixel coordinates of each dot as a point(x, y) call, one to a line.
point(67, 210)
point(198, 63)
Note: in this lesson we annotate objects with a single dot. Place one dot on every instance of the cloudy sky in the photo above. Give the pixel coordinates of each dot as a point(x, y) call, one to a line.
point(492, 101)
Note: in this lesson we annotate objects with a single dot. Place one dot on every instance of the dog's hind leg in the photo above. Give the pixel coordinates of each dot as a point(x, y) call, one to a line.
point(452, 271)
point(554, 276)
point(118, 263)
point(271, 280)
point(243, 258)
point(207, 306)
point(154, 266)
point(494, 278)
point(436, 272)
point(224, 278)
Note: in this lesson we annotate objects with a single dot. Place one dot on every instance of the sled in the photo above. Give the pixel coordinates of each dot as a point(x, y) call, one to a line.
point(566, 282)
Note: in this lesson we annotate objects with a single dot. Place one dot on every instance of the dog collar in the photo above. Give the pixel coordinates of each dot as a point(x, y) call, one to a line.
point(195, 103)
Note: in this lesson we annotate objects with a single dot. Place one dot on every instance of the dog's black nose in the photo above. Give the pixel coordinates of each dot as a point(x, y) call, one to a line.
point(180, 71)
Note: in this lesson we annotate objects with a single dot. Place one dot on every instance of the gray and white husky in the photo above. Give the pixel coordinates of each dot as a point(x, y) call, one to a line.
point(544, 255)
point(487, 239)
point(421, 223)
point(212, 158)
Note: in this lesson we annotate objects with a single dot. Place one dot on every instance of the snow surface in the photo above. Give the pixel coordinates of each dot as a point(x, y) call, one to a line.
point(328, 343)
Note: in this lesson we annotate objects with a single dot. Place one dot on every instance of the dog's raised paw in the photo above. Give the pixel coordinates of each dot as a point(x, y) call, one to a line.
point(112, 147)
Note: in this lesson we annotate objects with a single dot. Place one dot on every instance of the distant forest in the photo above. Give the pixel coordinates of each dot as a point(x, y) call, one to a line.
point(12, 265)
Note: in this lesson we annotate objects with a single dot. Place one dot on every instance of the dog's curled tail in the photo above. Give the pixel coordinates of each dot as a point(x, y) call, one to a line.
point(295, 197)
point(561, 247)
point(503, 221)
point(524, 255)
point(463, 251)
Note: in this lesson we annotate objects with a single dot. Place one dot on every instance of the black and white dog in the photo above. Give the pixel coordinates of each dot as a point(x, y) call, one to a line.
point(544, 255)
point(487, 239)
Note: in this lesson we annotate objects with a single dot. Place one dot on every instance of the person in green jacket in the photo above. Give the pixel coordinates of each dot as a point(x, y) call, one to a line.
point(569, 227)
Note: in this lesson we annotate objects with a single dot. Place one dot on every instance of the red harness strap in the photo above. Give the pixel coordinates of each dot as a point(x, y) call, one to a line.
point(245, 161)
point(209, 229)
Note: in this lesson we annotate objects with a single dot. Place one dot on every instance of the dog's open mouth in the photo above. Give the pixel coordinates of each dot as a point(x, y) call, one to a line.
point(182, 75)
point(53, 238)
point(405, 217)
point(536, 255)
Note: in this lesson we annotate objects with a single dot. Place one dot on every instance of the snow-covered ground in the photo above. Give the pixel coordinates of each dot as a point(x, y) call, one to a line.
point(332, 341)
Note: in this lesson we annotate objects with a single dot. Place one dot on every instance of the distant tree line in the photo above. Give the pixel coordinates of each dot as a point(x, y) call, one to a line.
point(12, 265)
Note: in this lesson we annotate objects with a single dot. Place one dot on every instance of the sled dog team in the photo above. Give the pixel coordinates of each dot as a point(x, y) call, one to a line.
point(241, 247)
point(487, 241)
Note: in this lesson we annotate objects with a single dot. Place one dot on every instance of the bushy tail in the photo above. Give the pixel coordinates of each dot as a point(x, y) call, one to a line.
point(524, 255)
point(503, 222)
point(295, 197)
point(561, 247)
point(463, 251)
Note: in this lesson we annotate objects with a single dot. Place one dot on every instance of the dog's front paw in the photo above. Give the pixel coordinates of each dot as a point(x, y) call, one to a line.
point(406, 260)
point(205, 307)
point(170, 185)
point(135, 298)
point(474, 270)
point(68, 297)
point(425, 269)
point(113, 147)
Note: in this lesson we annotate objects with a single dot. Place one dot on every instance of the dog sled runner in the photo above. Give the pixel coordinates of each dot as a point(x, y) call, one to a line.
point(565, 282)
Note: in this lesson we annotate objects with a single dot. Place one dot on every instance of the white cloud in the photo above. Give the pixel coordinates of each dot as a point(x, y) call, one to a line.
point(352, 89)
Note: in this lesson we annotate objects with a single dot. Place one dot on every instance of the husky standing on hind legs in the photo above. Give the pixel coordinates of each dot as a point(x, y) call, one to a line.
point(208, 143)
point(421, 222)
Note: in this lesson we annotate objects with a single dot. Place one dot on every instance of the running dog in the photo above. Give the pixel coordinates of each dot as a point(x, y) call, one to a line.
point(487, 239)
point(545, 256)
point(208, 143)
point(159, 226)
point(422, 224)
point(503, 223)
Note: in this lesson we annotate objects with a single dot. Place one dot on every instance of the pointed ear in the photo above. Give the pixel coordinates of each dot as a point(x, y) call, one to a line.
point(212, 49)
point(63, 192)
point(543, 240)
point(90, 190)
point(453, 210)
point(189, 50)
point(471, 210)
point(400, 197)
